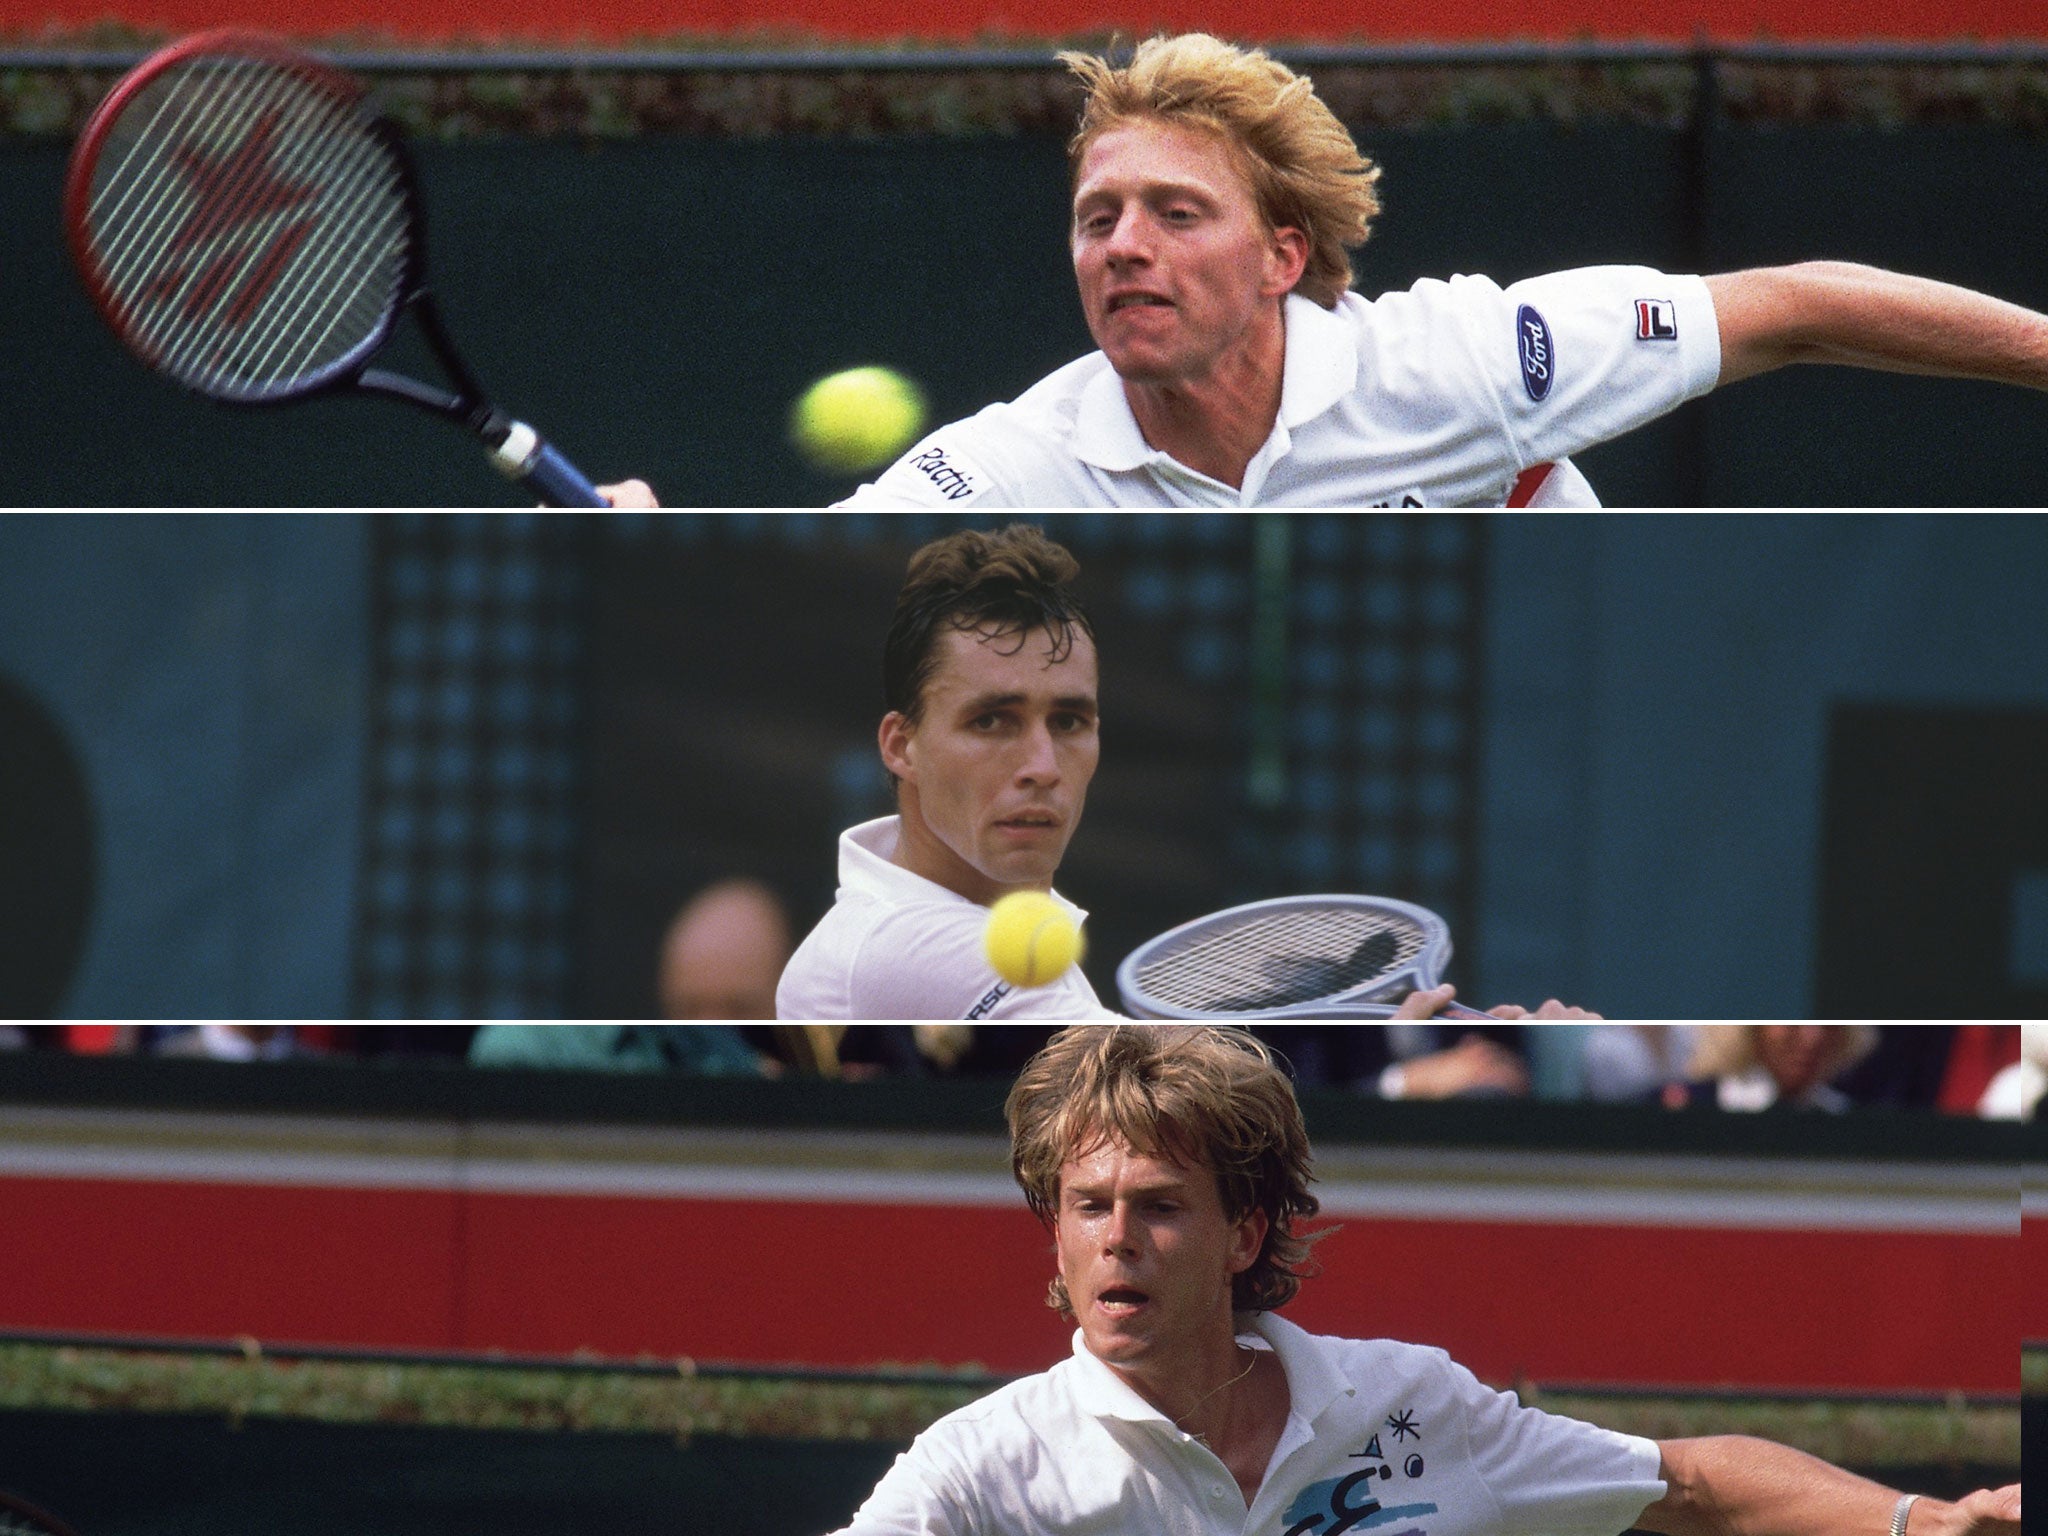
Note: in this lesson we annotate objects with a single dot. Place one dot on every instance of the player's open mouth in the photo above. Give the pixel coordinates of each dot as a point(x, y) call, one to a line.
point(1121, 1300)
point(1127, 300)
point(1029, 822)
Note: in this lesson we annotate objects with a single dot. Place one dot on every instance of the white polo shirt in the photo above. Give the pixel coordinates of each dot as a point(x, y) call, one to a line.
point(898, 946)
point(1458, 393)
point(1382, 1437)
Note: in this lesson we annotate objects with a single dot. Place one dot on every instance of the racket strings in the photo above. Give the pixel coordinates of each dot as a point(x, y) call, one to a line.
point(199, 111)
point(250, 127)
point(251, 229)
point(137, 194)
point(1279, 959)
point(367, 219)
point(355, 181)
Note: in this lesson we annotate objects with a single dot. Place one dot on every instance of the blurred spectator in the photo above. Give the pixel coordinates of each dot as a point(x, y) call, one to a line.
point(1976, 1055)
point(1757, 1066)
point(851, 1051)
point(1405, 1061)
point(1905, 1069)
point(899, 1050)
point(98, 1039)
point(723, 953)
point(75, 1039)
point(945, 1046)
point(978, 1050)
point(393, 1041)
point(707, 1050)
point(2015, 1091)
point(228, 1042)
point(1626, 1063)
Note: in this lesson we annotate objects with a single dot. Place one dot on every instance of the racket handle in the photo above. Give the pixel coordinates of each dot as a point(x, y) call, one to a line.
point(535, 464)
point(1457, 1010)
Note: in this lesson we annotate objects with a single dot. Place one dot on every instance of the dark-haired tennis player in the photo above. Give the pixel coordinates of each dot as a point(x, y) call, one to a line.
point(1216, 201)
point(1171, 1165)
point(991, 736)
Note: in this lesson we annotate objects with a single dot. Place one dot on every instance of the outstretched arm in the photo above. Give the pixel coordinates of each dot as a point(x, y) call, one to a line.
point(1732, 1485)
point(1838, 312)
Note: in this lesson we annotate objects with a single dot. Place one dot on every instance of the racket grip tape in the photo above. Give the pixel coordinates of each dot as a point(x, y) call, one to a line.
point(535, 464)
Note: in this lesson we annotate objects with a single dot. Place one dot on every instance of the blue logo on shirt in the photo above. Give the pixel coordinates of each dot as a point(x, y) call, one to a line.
point(1341, 1504)
point(1538, 356)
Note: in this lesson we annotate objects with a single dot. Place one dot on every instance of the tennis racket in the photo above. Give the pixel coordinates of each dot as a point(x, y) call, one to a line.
point(18, 1517)
point(1294, 957)
point(250, 228)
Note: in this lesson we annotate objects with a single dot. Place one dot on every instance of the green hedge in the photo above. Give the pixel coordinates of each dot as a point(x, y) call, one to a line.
point(616, 96)
point(682, 1400)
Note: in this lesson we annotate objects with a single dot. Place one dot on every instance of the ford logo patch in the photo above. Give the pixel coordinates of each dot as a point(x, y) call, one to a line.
point(1539, 359)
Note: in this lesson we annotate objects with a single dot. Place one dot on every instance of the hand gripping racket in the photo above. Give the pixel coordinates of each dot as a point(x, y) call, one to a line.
point(251, 228)
point(1294, 957)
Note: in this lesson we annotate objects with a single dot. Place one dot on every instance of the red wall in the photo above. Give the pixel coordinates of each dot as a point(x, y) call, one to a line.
point(2033, 1320)
point(775, 1281)
point(1370, 21)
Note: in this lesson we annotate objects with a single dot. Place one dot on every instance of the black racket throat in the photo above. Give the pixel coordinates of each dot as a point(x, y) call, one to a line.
point(465, 404)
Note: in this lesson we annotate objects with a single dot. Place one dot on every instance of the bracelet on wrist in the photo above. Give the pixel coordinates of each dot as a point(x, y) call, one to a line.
point(1902, 1511)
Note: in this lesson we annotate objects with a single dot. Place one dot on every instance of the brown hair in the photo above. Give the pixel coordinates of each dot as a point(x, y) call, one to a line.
point(1197, 1094)
point(1304, 169)
point(1006, 583)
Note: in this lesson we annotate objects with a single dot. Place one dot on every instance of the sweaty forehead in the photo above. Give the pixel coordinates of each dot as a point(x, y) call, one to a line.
point(978, 660)
point(1094, 1150)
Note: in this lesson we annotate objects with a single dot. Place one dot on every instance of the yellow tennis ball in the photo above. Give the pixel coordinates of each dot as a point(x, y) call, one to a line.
point(857, 420)
point(1030, 939)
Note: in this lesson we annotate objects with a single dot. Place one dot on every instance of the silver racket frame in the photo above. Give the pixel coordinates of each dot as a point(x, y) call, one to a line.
point(1377, 1000)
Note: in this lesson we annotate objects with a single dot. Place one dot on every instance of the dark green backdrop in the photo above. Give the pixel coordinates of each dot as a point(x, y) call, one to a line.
point(653, 304)
point(134, 1474)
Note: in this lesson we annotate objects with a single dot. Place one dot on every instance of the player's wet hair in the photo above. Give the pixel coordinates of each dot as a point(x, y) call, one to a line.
point(1304, 170)
point(1004, 585)
point(1204, 1096)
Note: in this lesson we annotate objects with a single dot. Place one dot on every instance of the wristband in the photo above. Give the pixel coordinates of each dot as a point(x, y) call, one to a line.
point(1901, 1511)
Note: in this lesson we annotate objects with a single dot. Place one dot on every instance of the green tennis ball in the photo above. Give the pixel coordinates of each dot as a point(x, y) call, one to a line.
point(1030, 939)
point(857, 420)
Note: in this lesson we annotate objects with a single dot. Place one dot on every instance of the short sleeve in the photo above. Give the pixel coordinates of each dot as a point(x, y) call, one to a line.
point(910, 1500)
point(1553, 1476)
point(953, 467)
point(1578, 357)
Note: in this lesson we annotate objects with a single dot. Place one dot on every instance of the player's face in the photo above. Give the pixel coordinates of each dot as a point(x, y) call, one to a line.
point(997, 767)
point(1174, 261)
point(1148, 1255)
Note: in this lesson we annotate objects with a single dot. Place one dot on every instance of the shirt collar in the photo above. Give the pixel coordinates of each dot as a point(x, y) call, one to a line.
point(1312, 1383)
point(867, 867)
point(1105, 432)
point(1320, 368)
point(1313, 1380)
point(1322, 361)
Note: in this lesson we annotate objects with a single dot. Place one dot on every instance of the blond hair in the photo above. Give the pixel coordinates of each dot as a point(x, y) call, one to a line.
point(1203, 1096)
point(1304, 170)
